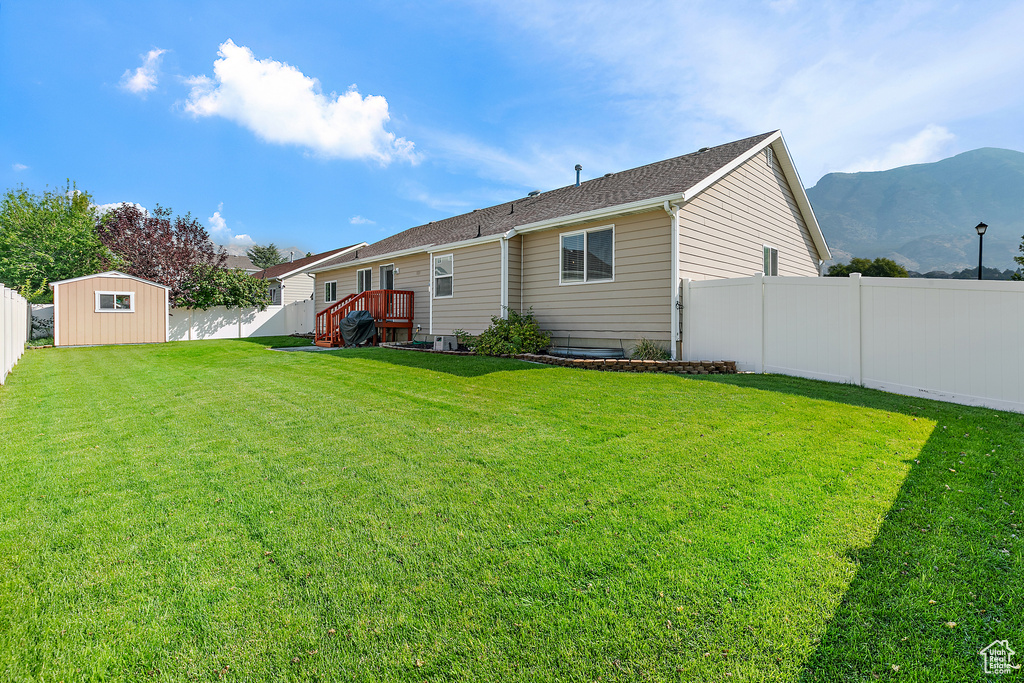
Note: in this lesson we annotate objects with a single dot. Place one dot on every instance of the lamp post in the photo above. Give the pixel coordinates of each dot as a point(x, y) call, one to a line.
point(981, 228)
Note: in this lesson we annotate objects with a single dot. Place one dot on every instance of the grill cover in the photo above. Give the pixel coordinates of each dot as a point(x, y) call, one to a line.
point(357, 327)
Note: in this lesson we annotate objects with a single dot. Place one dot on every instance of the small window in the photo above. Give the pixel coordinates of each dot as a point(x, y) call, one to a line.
point(330, 291)
point(444, 276)
point(275, 296)
point(771, 260)
point(115, 302)
point(588, 256)
point(363, 281)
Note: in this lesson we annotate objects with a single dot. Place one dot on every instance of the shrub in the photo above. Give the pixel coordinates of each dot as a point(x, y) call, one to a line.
point(518, 333)
point(465, 338)
point(646, 349)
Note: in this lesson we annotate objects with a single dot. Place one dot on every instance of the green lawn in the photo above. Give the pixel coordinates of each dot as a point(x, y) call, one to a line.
point(214, 510)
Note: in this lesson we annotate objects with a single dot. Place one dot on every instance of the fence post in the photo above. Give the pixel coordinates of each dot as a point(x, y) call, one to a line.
point(757, 294)
point(856, 358)
point(685, 343)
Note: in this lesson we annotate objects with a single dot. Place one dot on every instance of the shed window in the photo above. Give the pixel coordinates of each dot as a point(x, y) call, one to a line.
point(588, 256)
point(444, 276)
point(363, 280)
point(115, 302)
point(330, 291)
point(771, 260)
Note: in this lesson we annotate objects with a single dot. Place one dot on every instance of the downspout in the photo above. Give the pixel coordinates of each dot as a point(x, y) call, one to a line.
point(505, 271)
point(673, 212)
point(430, 291)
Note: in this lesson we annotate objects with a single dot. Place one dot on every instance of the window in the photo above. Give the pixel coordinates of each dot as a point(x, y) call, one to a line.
point(115, 302)
point(363, 280)
point(387, 276)
point(330, 292)
point(275, 296)
point(771, 260)
point(443, 276)
point(588, 256)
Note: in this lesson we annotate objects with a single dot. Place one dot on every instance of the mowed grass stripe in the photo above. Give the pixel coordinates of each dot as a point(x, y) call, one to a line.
point(197, 510)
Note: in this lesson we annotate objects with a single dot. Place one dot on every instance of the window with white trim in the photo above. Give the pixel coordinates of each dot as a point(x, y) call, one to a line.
point(115, 302)
point(771, 260)
point(364, 280)
point(444, 276)
point(330, 291)
point(587, 256)
point(275, 295)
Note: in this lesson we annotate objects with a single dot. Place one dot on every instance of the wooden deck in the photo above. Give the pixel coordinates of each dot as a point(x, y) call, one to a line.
point(390, 308)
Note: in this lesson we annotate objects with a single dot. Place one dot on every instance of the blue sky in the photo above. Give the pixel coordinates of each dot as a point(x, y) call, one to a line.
point(322, 124)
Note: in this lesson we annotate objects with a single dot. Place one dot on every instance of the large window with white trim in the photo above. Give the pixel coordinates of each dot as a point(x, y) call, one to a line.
point(363, 280)
point(587, 256)
point(444, 276)
point(331, 291)
point(115, 302)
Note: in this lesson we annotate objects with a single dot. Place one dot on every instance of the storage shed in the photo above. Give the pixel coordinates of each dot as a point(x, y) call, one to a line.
point(109, 308)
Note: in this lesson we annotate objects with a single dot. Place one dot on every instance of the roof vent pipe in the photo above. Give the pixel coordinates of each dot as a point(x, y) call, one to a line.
point(578, 169)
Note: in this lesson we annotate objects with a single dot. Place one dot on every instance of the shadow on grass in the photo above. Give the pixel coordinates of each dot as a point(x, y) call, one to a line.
point(951, 536)
point(460, 366)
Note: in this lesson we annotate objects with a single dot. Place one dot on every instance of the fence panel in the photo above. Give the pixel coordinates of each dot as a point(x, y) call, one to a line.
point(951, 340)
point(224, 323)
point(14, 329)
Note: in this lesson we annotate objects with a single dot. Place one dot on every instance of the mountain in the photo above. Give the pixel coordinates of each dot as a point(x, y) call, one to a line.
point(923, 216)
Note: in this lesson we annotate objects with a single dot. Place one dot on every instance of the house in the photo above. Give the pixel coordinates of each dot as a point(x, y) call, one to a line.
point(109, 308)
point(235, 262)
point(290, 281)
point(599, 262)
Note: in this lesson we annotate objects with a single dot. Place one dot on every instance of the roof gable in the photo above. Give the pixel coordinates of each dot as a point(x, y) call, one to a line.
point(283, 270)
point(109, 273)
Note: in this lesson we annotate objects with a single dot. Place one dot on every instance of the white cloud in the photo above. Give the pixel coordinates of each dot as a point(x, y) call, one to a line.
point(221, 233)
point(100, 209)
point(19, 167)
point(144, 78)
point(928, 145)
point(359, 220)
point(282, 105)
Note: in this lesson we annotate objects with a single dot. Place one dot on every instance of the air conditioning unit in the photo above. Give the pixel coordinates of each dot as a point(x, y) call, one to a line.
point(447, 342)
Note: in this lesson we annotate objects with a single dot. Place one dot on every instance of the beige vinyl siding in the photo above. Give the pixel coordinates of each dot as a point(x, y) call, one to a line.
point(296, 288)
point(636, 304)
point(79, 324)
point(413, 275)
point(724, 229)
point(476, 289)
point(515, 270)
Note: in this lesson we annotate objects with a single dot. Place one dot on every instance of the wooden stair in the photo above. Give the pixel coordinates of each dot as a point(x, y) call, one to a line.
point(390, 308)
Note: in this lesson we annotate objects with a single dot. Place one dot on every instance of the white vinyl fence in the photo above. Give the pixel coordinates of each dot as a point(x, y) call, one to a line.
point(232, 323)
point(14, 329)
point(951, 340)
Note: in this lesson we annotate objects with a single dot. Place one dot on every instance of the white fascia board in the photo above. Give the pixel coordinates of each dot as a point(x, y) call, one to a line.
point(308, 266)
point(109, 273)
point(373, 259)
point(653, 204)
point(781, 151)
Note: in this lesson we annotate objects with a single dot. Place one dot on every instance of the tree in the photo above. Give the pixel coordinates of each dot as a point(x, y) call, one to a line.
point(264, 257)
point(1019, 275)
point(47, 237)
point(153, 247)
point(210, 286)
point(880, 267)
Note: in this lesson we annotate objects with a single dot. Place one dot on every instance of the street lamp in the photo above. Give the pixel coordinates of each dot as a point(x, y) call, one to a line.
point(981, 228)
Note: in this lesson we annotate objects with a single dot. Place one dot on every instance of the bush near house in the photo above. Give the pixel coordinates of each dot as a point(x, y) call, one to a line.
point(518, 333)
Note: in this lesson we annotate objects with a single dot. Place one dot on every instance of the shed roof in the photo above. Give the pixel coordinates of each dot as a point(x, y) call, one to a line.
point(108, 273)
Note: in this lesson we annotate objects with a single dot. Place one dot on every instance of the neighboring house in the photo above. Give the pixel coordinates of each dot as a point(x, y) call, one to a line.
point(241, 263)
point(598, 262)
point(109, 308)
point(288, 282)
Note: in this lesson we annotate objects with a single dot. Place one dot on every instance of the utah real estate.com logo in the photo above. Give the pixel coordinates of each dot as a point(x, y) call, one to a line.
point(997, 658)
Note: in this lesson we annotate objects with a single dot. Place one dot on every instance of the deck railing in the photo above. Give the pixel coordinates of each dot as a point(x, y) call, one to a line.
point(389, 308)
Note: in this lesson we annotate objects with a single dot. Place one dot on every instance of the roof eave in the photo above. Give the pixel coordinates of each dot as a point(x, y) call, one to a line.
point(108, 273)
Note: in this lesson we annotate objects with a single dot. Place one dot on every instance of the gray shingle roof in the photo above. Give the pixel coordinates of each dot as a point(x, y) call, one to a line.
point(299, 263)
point(637, 184)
